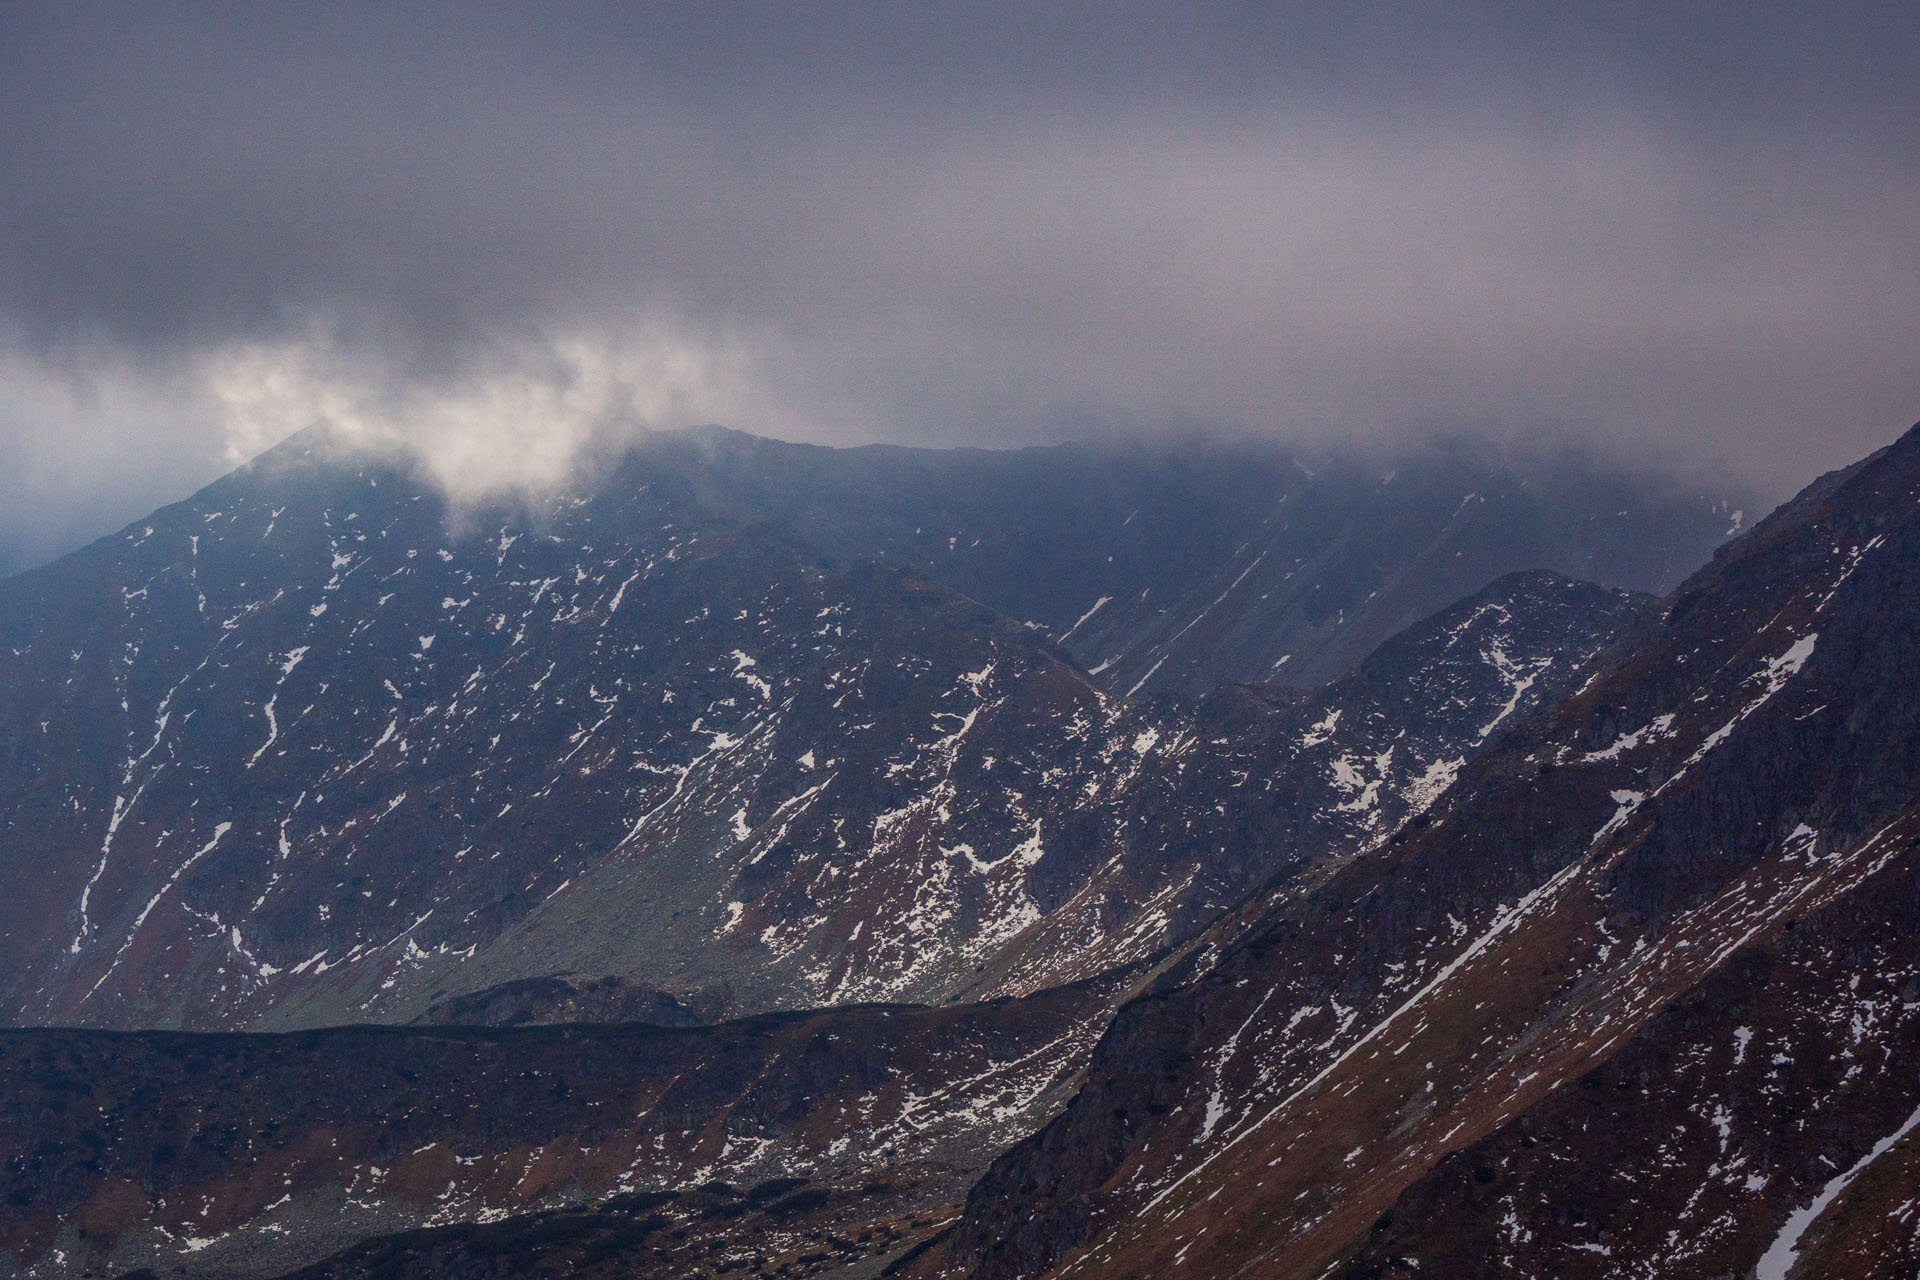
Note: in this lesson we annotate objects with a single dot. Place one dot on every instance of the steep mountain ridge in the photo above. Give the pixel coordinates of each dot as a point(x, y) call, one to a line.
point(1751, 761)
point(466, 727)
point(1269, 782)
point(1182, 567)
point(312, 748)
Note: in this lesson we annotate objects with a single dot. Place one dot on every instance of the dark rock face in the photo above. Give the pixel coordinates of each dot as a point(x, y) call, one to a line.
point(1687, 1150)
point(311, 749)
point(1590, 904)
point(253, 1154)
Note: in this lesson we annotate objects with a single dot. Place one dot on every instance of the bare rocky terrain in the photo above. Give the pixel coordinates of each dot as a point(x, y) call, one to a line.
point(1635, 997)
point(739, 904)
point(311, 748)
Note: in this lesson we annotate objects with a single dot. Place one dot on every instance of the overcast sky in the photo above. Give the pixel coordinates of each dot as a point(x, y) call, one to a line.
point(1682, 233)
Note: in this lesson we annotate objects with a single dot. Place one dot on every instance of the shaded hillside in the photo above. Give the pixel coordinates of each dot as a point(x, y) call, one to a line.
point(252, 1154)
point(1181, 567)
point(1266, 782)
point(1509, 974)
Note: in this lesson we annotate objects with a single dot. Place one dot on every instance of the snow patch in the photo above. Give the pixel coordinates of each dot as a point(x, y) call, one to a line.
point(1785, 1249)
point(1319, 733)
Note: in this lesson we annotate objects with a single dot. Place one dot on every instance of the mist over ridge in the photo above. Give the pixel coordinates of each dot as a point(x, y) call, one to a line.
point(1681, 239)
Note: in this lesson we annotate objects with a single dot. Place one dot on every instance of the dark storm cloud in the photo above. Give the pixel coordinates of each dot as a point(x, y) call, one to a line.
point(1684, 229)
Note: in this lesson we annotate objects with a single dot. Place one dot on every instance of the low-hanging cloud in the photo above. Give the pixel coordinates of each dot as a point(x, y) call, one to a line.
point(515, 421)
point(495, 236)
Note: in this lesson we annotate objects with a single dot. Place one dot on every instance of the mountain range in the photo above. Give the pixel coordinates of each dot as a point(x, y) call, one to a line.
point(313, 747)
point(772, 860)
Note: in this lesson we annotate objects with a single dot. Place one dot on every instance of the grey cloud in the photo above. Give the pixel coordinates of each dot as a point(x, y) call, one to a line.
point(1672, 230)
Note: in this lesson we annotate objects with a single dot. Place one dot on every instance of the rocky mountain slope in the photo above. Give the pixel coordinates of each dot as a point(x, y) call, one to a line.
point(1267, 777)
point(1185, 566)
point(1265, 782)
point(1527, 1035)
point(311, 748)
